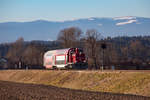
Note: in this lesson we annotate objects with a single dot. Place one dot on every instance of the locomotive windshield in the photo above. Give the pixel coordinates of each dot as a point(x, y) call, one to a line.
point(80, 51)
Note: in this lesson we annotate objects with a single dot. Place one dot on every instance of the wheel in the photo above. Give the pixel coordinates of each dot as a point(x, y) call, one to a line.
point(54, 67)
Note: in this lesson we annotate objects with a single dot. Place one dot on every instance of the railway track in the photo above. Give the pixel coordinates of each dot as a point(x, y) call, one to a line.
point(85, 70)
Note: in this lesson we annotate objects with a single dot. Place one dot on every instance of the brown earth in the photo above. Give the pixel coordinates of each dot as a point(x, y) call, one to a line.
point(124, 82)
point(21, 91)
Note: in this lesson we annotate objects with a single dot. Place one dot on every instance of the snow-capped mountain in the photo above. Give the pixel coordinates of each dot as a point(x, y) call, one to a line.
point(48, 30)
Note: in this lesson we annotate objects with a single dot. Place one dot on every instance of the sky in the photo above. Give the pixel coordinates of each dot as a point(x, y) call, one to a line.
point(60, 10)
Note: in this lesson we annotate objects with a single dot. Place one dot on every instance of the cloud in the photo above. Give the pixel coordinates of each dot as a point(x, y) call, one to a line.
point(125, 17)
point(91, 19)
point(99, 24)
point(128, 22)
point(50, 39)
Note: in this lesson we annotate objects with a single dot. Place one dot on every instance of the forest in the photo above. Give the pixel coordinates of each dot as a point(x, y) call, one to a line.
point(122, 52)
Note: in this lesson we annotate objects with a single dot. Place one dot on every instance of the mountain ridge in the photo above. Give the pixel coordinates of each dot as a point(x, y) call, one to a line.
point(48, 30)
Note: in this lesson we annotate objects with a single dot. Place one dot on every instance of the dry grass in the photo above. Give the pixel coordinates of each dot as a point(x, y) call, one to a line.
point(117, 82)
point(20, 91)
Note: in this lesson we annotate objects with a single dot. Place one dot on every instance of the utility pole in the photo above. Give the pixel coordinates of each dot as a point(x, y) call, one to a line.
point(103, 46)
point(19, 64)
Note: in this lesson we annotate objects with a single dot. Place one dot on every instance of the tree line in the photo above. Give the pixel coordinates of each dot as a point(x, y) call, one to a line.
point(121, 52)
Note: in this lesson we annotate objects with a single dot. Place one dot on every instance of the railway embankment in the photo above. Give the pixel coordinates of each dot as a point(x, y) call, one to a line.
point(22, 91)
point(126, 82)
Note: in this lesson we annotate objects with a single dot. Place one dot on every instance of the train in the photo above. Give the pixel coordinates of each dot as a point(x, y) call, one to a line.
point(69, 58)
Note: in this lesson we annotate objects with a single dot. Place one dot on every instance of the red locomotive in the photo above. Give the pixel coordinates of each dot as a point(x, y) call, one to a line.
point(70, 58)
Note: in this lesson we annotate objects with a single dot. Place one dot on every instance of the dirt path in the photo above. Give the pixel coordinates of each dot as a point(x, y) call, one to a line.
point(20, 91)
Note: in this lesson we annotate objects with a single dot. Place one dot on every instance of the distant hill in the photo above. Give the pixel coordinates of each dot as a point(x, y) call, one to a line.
point(48, 30)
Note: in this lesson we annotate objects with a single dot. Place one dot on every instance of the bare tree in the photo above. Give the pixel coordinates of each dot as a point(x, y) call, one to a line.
point(15, 52)
point(92, 46)
point(33, 56)
point(69, 37)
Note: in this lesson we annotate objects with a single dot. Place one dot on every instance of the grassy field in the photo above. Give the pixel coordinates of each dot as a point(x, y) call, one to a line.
point(127, 82)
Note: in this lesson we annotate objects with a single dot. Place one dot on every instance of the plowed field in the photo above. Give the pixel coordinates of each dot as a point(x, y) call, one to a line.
point(21, 91)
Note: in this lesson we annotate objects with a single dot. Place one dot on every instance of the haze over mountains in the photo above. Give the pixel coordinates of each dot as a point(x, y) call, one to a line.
point(48, 30)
